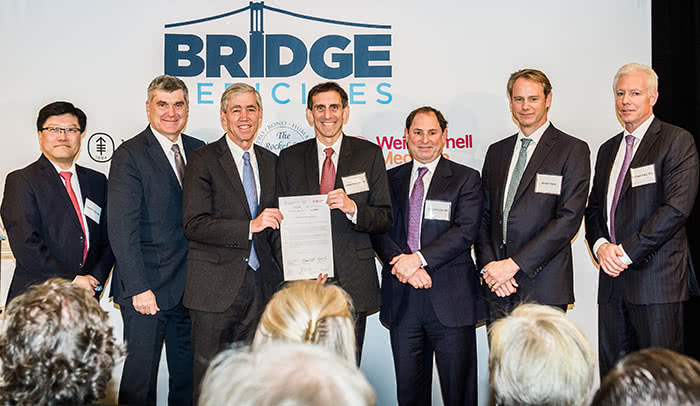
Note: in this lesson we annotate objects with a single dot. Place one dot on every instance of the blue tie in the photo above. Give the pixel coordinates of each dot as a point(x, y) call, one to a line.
point(251, 195)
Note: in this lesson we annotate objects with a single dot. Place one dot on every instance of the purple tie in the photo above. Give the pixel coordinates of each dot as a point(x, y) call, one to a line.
point(415, 204)
point(629, 139)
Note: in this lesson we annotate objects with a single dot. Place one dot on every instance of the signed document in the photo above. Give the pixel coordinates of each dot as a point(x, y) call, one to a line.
point(307, 242)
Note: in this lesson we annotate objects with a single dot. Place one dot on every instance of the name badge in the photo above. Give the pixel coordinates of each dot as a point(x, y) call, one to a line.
point(437, 210)
point(92, 210)
point(355, 183)
point(549, 184)
point(643, 175)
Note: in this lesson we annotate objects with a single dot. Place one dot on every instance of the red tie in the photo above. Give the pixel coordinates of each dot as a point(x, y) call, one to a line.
point(66, 179)
point(328, 174)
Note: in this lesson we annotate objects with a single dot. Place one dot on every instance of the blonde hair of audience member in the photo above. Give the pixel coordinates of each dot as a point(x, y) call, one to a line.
point(284, 374)
point(310, 312)
point(651, 377)
point(539, 357)
point(56, 347)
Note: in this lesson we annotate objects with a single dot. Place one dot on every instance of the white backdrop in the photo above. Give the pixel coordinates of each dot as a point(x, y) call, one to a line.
point(456, 56)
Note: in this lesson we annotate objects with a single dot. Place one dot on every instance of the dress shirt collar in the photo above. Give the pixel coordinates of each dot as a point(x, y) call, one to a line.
point(59, 169)
point(640, 131)
point(238, 152)
point(336, 147)
point(535, 136)
point(168, 145)
point(431, 166)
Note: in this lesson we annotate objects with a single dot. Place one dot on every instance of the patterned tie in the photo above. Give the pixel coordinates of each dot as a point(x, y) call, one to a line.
point(69, 188)
point(515, 182)
point(328, 173)
point(629, 139)
point(415, 204)
point(251, 195)
point(179, 163)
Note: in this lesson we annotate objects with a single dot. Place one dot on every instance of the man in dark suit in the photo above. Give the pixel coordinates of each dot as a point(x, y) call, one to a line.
point(430, 286)
point(229, 212)
point(309, 168)
point(146, 233)
point(55, 211)
point(646, 180)
point(535, 185)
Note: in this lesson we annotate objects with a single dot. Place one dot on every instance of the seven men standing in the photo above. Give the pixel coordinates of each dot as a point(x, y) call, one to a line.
point(646, 180)
point(146, 231)
point(535, 185)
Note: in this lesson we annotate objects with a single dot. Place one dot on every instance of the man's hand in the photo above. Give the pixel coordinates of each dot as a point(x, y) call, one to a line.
point(268, 218)
point(322, 278)
point(337, 199)
point(609, 259)
point(87, 282)
point(497, 273)
point(421, 280)
point(405, 265)
point(506, 289)
point(145, 303)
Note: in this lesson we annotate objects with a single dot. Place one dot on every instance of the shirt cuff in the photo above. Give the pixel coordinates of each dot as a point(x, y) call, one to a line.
point(625, 258)
point(597, 245)
point(250, 230)
point(422, 259)
point(353, 217)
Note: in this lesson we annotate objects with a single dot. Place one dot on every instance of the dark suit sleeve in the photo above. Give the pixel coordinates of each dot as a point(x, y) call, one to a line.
point(374, 214)
point(465, 227)
point(482, 247)
point(680, 183)
point(596, 227)
point(199, 218)
point(562, 227)
point(125, 192)
point(105, 257)
point(20, 214)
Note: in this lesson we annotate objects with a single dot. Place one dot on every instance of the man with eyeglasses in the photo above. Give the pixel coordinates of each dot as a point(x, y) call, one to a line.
point(53, 209)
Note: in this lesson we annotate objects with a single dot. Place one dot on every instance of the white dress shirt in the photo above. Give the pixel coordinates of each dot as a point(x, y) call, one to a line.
point(638, 134)
point(167, 146)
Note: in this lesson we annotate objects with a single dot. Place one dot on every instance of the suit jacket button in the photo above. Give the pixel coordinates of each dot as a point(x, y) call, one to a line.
point(500, 221)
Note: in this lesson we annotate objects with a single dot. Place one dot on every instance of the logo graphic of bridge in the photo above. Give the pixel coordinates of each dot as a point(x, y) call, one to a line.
point(256, 18)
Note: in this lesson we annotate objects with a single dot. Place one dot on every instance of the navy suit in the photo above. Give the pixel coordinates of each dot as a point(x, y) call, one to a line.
point(440, 319)
point(540, 225)
point(44, 230)
point(146, 233)
point(650, 224)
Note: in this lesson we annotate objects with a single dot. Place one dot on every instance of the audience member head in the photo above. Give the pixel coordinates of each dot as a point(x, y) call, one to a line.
point(56, 347)
point(651, 377)
point(310, 312)
point(539, 357)
point(288, 374)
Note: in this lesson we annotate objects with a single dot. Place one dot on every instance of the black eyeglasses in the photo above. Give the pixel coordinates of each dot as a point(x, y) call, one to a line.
point(57, 130)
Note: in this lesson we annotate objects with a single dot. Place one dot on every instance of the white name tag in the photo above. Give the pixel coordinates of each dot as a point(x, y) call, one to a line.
point(92, 210)
point(550, 184)
point(437, 210)
point(643, 175)
point(355, 183)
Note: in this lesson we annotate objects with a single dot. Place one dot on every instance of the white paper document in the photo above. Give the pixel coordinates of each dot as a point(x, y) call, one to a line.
point(307, 242)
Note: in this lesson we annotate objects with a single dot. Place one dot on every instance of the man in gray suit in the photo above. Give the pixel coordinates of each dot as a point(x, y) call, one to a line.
point(145, 230)
point(229, 216)
point(535, 185)
point(646, 180)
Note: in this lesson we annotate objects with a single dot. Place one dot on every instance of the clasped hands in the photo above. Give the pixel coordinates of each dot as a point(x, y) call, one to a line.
point(610, 259)
point(500, 277)
point(408, 268)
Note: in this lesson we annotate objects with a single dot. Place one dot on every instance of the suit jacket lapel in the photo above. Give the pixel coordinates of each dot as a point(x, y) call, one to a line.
point(160, 160)
point(53, 179)
point(401, 187)
point(548, 140)
point(644, 149)
point(266, 176)
point(502, 167)
point(313, 185)
point(85, 192)
point(440, 180)
point(609, 161)
point(345, 161)
point(231, 170)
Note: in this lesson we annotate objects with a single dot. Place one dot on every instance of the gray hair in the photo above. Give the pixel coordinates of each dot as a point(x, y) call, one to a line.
point(236, 89)
point(652, 77)
point(169, 84)
point(539, 357)
point(651, 377)
point(284, 374)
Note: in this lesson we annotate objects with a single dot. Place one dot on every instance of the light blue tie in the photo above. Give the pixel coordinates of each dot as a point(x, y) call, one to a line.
point(514, 182)
point(251, 195)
